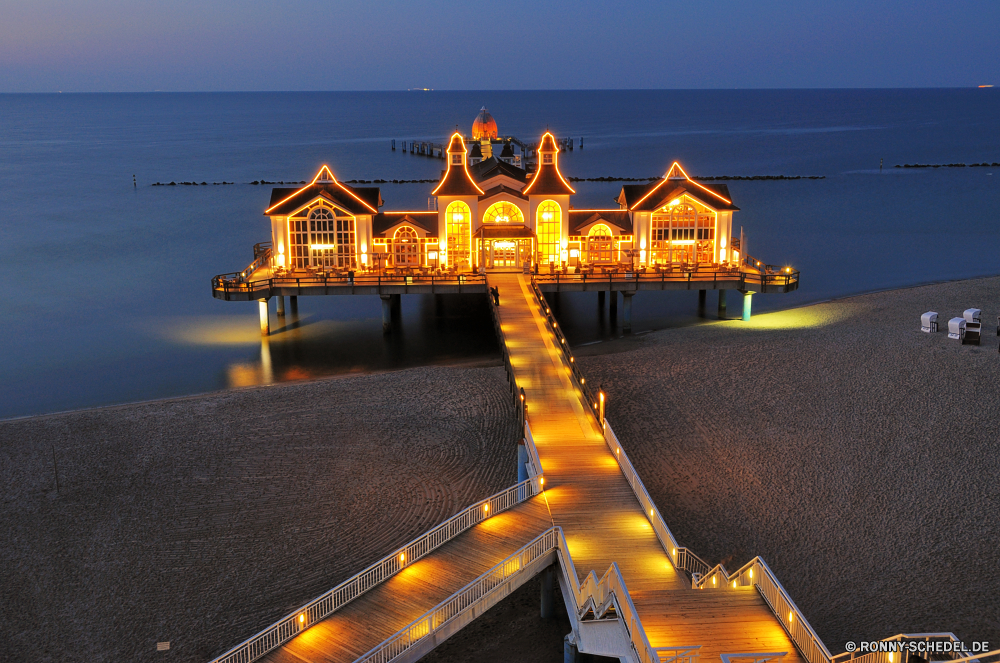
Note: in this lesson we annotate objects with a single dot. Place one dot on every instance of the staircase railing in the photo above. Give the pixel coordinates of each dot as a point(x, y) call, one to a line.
point(323, 606)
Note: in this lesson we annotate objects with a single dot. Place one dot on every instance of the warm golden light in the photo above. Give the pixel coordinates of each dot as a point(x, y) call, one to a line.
point(302, 618)
point(486, 508)
point(734, 584)
point(402, 558)
point(675, 202)
point(751, 574)
point(673, 551)
point(713, 581)
point(541, 481)
point(791, 617)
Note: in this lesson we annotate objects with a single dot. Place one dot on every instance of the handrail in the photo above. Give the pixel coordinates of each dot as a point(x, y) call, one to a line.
point(515, 390)
point(235, 282)
point(487, 590)
point(756, 273)
point(880, 656)
point(261, 257)
point(553, 326)
point(331, 601)
point(682, 558)
point(777, 598)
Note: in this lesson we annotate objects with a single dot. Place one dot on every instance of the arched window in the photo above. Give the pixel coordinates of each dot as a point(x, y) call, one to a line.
point(673, 233)
point(600, 244)
point(503, 213)
point(405, 248)
point(458, 219)
point(548, 224)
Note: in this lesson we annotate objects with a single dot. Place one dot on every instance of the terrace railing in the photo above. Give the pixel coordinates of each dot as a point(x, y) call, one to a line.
point(747, 273)
point(236, 282)
point(491, 587)
point(515, 391)
point(323, 606)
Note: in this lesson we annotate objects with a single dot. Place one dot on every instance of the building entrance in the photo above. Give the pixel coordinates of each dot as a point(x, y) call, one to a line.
point(507, 253)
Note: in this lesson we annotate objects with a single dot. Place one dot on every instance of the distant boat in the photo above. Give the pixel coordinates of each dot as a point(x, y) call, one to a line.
point(985, 86)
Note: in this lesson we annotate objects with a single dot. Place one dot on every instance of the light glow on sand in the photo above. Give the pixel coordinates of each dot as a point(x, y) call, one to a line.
point(807, 317)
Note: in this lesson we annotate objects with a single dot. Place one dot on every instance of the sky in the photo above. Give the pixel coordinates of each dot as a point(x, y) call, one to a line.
point(267, 45)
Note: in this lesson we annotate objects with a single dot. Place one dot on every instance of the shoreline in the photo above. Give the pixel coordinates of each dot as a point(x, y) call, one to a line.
point(622, 343)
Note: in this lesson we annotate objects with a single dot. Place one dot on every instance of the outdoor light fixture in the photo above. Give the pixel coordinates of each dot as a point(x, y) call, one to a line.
point(486, 508)
point(302, 618)
point(402, 558)
point(675, 202)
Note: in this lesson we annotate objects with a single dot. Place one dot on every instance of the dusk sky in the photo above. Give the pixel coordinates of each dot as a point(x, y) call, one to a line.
point(216, 45)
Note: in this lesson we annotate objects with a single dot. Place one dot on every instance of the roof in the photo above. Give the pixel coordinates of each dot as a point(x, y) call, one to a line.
point(490, 168)
point(548, 181)
point(642, 197)
point(507, 152)
point(477, 151)
point(361, 200)
point(502, 189)
point(456, 180)
point(652, 196)
point(427, 221)
point(581, 218)
point(484, 125)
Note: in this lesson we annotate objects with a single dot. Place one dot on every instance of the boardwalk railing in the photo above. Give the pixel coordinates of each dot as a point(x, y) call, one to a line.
point(515, 390)
point(753, 273)
point(898, 648)
point(323, 606)
point(490, 588)
point(553, 326)
point(681, 557)
point(236, 283)
point(757, 573)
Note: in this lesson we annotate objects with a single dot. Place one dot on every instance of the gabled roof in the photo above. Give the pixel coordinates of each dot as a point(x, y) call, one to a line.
point(506, 152)
point(456, 180)
point(582, 218)
point(477, 150)
point(652, 196)
point(548, 181)
point(427, 221)
point(501, 189)
point(363, 200)
point(490, 168)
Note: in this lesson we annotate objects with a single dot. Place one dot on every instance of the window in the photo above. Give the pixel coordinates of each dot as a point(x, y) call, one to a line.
point(673, 231)
point(503, 213)
point(546, 158)
point(346, 255)
point(458, 220)
point(548, 223)
point(599, 244)
point(323, 237)
point(406, 248)
point(456, 159)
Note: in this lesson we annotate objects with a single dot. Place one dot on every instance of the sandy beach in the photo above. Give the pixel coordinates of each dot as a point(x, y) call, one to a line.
point(855, 454)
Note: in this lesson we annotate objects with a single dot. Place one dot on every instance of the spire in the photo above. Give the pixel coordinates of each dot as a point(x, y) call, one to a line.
point(456, 180)
point(548, 181)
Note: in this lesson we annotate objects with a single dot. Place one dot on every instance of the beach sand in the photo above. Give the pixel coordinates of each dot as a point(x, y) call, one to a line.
point(858, 456)
point(855, 454)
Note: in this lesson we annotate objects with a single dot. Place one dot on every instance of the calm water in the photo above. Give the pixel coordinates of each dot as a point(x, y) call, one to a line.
point(107, 295)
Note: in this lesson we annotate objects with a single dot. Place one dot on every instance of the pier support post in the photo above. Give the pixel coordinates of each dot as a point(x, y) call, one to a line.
point(570, 653)
point(293, 303)
point(265, 327)
point(386, 313)
point(548, 594)
point(722, 304)
point(600, 300)
point(522, 462)
point(747, 297)
point(613, 312)
point(627, 321)
point(281, 306)
point(702, 297)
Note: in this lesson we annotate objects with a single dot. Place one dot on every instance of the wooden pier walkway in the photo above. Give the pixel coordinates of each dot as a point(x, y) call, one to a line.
point(602, 520)
point(588, 497)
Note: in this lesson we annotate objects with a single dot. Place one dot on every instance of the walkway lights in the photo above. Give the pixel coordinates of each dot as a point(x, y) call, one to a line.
point(402, 559)
point(302, 619)
point(486, 508)
point(602, 398)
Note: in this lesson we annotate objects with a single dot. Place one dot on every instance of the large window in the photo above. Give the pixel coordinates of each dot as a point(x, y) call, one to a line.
point(406, 248)
point(673, 233)
point(600, 244)
point(458, 219)
point(548, 223)
point(322, 237)
point(503, 213)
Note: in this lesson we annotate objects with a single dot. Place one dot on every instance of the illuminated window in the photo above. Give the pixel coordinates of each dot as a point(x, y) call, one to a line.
point(503, 213)
point(673, 234)
point(346, 254)
point(456, 159)
point(458, 219)
point(546, 158)
point(405, 248)
point(548, 223)
point(599, 244)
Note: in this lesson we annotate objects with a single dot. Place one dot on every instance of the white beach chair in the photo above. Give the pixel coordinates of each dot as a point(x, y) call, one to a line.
point(929, 322)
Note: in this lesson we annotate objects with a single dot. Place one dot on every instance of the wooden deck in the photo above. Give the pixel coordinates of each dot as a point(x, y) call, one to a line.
point(378, 614)
point(585, 494)
point(602, 520)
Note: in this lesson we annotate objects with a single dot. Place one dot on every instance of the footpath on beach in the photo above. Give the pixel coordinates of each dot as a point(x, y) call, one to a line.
point(581, 516)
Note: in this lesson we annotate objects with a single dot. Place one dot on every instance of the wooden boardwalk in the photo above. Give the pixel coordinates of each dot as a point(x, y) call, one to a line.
point(588, 497)
point(602, 520)
point(373, 617)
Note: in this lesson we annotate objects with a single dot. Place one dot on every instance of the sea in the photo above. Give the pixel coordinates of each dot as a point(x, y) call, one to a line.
point(105, 277)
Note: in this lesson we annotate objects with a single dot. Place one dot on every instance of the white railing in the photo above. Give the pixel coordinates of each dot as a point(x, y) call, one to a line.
point(488, 589)
point(896, 648)
point(470, 601)
point(681, 557)
point(758, 574)
point(318, 609)
point(678, 654)
point(534, 462)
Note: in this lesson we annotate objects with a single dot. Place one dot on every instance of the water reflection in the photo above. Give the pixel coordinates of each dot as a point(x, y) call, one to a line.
point(426, 329)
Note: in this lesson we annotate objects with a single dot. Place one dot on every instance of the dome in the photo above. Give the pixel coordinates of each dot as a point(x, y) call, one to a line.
point(484, 126)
